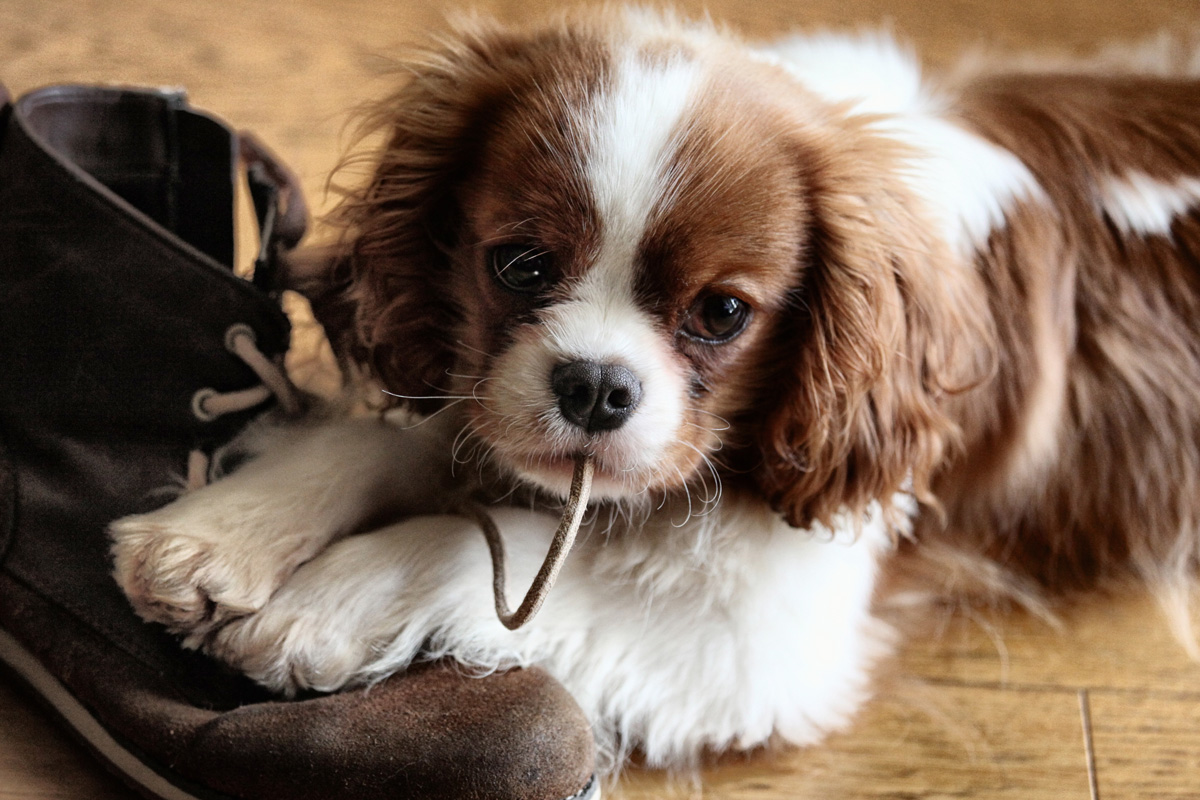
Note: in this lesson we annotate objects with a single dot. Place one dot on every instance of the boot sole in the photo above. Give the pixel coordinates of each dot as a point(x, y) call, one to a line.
point(139, 773)
point(117, 756)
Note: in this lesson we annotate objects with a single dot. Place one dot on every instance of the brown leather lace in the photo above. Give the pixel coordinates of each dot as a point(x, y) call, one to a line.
point(208, 404)
point(560, 547)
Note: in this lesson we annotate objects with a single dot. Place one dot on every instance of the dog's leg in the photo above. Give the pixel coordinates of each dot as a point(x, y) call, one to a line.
point(368, 604)
point(220, 552)
point(676, 655)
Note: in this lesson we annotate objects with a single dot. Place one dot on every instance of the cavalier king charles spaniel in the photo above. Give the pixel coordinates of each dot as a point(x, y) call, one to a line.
point(812, 314)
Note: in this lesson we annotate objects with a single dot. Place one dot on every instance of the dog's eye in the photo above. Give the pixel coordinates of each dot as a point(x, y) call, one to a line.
point(521, 267)
point(717, 319)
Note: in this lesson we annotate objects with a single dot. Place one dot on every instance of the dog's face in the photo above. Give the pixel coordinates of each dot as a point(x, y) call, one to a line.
point(616, 288)
point(649, 246)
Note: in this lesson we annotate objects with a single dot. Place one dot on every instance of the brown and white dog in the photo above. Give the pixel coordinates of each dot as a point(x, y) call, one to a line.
point(795, 298)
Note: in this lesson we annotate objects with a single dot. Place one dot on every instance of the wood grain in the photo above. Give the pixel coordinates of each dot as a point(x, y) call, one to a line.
point(1118, 642)
point(39, 761)
point(987, 708)
point(918, 741)
point(1147, 743)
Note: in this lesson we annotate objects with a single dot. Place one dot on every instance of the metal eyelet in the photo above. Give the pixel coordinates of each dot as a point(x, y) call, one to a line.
point(236, 331)
point(199, 401)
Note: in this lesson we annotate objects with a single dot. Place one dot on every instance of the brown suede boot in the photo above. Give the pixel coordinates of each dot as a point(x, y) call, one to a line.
point(118, 300)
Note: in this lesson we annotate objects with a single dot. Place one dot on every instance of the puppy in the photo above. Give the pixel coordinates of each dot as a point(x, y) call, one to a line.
point(796, 301)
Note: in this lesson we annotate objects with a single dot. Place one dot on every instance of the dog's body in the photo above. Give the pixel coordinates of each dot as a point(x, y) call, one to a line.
point(799, 273)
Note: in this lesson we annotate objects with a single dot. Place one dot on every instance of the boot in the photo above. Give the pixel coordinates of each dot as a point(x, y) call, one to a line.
point(129, 350)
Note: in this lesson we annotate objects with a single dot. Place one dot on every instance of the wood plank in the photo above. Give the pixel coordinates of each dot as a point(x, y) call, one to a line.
point(915, 741)
point(1116, 642)
point(294, 70)
point(1147, 745)
point(39, 761)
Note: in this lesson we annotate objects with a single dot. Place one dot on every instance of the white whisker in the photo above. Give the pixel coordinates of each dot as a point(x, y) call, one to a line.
point(427, 396)
point(687, 492)
point(466, 346)
point(460, 440)
point(428, 417)
point(725, 424)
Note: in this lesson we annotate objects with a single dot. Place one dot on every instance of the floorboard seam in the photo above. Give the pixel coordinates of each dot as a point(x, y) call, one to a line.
point(1085, 718)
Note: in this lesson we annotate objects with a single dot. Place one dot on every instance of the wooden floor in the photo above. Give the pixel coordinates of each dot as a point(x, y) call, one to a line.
point(999, 706)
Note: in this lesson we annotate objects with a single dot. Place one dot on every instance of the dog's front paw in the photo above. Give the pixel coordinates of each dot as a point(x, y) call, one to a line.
point(366, 606)
point(193, 573)
point(318, 632)
point(289, 651)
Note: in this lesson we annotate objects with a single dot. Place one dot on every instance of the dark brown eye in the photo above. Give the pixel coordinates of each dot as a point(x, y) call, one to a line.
point(522, 268)
point(717, 319)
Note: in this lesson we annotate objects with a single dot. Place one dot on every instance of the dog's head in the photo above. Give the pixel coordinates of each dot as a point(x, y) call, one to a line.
point(632, 237)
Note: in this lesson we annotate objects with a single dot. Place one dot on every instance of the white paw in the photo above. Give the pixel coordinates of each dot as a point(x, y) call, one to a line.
point(369, 604)
point(319, 631)
point(289, 649)
point(193, 570)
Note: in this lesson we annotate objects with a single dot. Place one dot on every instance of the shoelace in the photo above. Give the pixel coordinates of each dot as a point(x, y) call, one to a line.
point(560, 547)
point(209, 404)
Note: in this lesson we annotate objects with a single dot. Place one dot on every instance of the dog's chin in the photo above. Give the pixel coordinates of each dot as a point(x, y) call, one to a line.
point(553, 474)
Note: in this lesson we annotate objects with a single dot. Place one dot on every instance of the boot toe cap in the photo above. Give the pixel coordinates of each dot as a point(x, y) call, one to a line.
point(433, 733)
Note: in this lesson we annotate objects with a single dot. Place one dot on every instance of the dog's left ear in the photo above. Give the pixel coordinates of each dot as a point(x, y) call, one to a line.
point(384, 290)
point(887, 328)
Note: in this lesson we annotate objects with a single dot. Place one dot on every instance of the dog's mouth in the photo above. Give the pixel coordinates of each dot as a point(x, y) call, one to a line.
point(532, 442)
point(625, 467)
point(556, 466)
point(547, 462)
point(554, 471)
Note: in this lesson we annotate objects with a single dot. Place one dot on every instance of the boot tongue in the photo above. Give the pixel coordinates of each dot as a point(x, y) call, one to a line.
point(173, 164)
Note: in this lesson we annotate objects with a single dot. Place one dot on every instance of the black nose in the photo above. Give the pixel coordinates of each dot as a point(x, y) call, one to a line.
point(596, 397)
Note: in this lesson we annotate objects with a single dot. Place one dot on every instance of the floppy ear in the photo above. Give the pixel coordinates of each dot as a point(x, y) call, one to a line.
point(888, 326)
point(387, 290)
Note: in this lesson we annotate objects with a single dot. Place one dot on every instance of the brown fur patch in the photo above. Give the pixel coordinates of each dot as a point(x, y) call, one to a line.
point(1118, 489)
point(887, 331)
point(402, 267)
point(733, 222)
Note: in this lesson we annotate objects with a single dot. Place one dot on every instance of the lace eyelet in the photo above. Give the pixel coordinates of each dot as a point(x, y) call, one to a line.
point(199, 401)
point(236, 331)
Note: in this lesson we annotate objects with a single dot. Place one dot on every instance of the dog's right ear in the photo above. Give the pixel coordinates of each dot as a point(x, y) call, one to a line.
point(384, 291)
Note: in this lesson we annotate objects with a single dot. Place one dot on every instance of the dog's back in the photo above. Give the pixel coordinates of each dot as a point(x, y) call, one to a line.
point(1082, 458)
